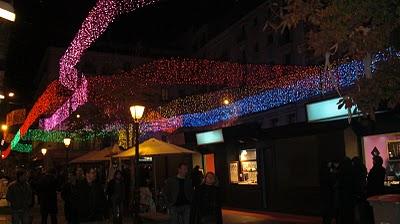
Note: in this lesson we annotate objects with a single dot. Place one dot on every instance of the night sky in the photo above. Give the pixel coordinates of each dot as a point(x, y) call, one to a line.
point(44, 23)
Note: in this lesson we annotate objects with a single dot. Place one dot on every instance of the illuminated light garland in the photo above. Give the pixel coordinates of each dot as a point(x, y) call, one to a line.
point(302, 90)
point(204, 103)
point(78, 99)
point(38, 135)
point(95, 24)
point(16, 139)
point(25, 148)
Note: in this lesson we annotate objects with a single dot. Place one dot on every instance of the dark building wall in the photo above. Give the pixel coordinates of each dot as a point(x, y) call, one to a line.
point(292, 170)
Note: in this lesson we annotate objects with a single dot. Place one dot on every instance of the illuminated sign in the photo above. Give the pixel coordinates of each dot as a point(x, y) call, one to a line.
point(325, 110)
point(209, 137)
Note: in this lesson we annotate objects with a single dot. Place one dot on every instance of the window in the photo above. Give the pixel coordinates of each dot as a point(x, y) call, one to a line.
point(164, 94)
point(284, 37)
point(242, 35)
point(256, 48)
point(274, 122)
point(288, 59)
point(244, 57)
point(182, 93)
point(248, 167)
point(270, 39)
point(291, 118)
point(224, 54)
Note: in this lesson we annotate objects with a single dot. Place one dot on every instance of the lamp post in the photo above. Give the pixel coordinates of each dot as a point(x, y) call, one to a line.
point(137, 113)
point(67, 142)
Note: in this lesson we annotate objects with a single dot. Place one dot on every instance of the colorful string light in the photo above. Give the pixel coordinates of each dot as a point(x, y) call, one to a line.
point(95, 24)
point(280, 84)
point(58, 136)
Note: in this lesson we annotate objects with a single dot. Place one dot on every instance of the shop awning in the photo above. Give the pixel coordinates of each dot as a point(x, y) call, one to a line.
point(98, 156)
point(155, 147)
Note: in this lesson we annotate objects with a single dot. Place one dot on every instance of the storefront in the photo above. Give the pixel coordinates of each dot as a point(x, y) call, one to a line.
point(275, 169)
point(234, 155)
point(382, 136)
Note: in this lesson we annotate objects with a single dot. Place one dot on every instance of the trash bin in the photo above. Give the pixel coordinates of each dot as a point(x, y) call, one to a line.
point(386, 208)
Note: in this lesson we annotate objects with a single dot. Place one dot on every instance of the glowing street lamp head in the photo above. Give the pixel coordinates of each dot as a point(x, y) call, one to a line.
point(67, 142)
point(4, 127)
point(11, 94)
point(44, 151)
point(226, 102)
point(2, 97)
point(7, 11)
point(78, 116)
point(137, 112)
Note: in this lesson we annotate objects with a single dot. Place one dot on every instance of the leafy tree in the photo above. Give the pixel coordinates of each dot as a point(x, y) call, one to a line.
point(349, 29)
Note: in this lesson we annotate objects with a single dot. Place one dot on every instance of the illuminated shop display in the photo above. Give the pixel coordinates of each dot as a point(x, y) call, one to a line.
point(388, 146)
point(245, 170)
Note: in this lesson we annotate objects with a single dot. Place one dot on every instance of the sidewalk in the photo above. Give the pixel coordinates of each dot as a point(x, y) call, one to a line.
point(229, 216)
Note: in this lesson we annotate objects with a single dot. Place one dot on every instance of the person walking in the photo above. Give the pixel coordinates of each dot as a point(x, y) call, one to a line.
point(47, 192)
point(179, 192)
point(376, 178)
point(362, 207)
point(206, 205)
point(89, 199)
point(345, 201)
point(19, 195)
point(327, 182)
point(197, 176)
point(116, 195)
point(67, 194)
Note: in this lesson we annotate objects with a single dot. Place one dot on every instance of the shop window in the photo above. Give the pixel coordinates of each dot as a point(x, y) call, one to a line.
point(248, 167)
point(244, 171)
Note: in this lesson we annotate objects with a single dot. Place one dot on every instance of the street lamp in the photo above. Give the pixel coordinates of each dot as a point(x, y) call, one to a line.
point(226, 102)
point(44, 151)
point(11, 94)
point(137, 114)
point(4, 127)
point(67, 142)
point(7, 11)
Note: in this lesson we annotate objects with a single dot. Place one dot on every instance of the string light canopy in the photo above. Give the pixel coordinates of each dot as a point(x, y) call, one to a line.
point(177, 71)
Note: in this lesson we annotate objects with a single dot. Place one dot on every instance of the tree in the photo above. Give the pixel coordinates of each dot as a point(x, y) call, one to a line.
point(344, 29)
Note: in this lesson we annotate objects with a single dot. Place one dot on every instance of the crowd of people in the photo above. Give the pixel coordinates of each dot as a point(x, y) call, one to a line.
point(345, 188)
point(191, 199)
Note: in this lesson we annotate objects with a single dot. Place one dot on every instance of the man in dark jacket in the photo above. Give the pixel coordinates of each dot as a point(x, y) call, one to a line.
point(179, 191)
point(47, 191)
point(90, 200)
point(19, 195)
